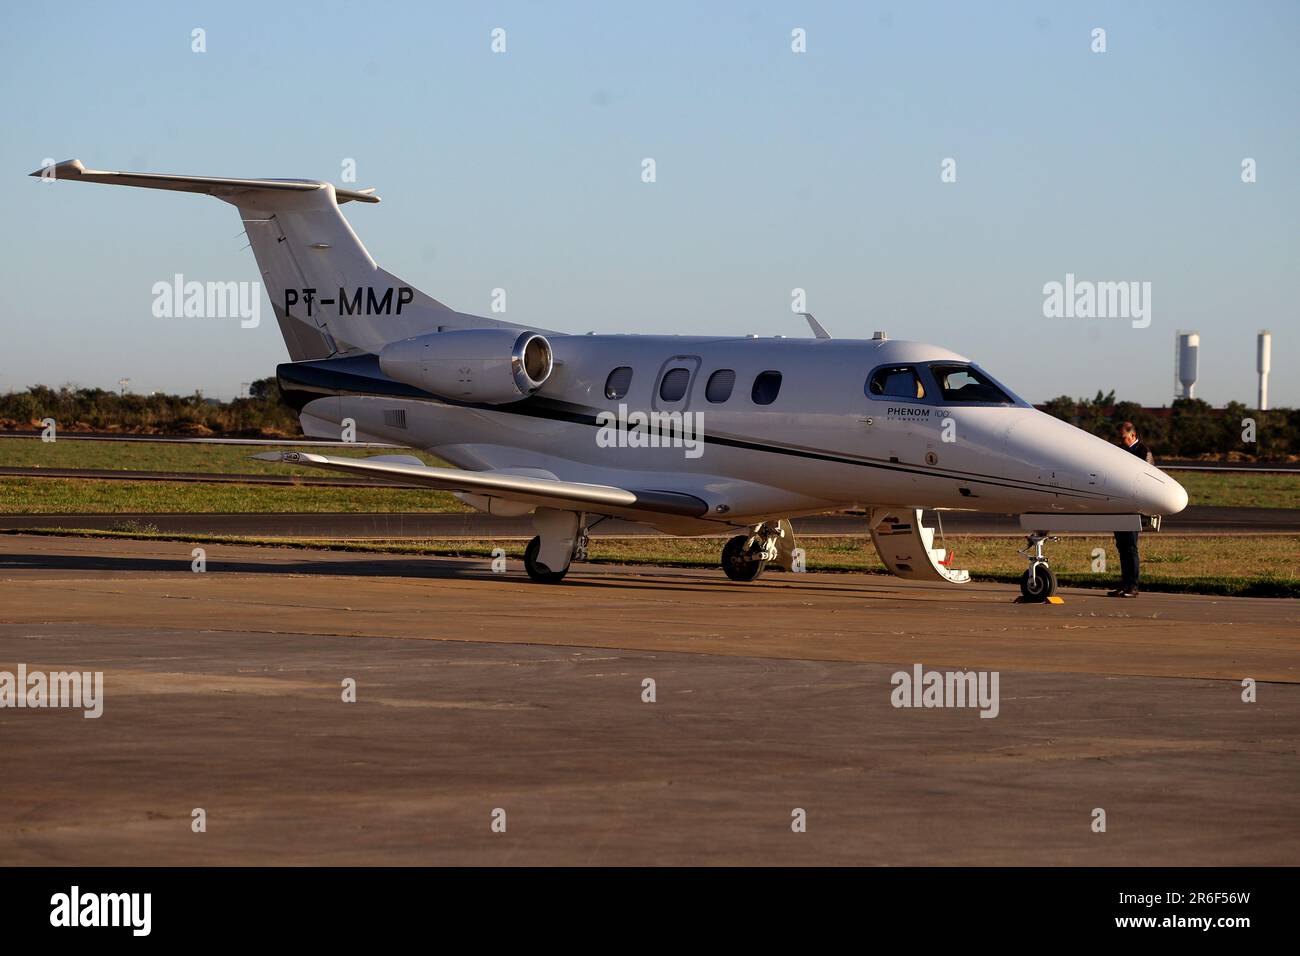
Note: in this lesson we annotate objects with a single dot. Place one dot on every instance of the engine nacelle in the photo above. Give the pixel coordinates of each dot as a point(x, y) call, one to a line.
point(471, 365)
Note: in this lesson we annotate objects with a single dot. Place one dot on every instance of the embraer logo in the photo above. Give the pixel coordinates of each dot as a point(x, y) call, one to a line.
point(355, 304)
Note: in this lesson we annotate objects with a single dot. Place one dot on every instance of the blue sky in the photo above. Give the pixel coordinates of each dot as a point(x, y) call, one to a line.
point(775, 170)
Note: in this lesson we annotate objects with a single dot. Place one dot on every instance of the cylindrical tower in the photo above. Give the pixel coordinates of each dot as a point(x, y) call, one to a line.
point(1189, 347)
point(1263, 357)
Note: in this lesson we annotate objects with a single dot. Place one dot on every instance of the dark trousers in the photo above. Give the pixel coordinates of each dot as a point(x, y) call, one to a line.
point(1126, 543)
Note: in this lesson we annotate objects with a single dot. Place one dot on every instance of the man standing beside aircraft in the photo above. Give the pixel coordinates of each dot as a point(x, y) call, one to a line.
point(1126, 542)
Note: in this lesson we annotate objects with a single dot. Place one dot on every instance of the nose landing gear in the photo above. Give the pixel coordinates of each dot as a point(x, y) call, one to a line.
point(1038, 583)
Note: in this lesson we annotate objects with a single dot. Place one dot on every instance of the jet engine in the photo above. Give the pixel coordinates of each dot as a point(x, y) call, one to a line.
point(471, 365)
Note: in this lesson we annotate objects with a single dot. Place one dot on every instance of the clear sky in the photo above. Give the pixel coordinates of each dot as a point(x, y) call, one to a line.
point(775, 171)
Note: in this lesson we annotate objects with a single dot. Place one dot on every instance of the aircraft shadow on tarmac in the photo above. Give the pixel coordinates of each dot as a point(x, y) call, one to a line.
point(415, 568)
point(449, 569)
point(423, 567)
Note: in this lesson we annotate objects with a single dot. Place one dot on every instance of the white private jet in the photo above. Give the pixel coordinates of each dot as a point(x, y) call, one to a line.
point(690, 434)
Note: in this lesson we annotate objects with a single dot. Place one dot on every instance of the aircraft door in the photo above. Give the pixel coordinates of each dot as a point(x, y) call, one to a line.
point(897, 413)
point(674, 384)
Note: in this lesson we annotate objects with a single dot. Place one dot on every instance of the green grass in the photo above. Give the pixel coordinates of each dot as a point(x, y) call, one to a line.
point(1206, 564)
point(113, 496)
point(1240, 489)
point(172, 456)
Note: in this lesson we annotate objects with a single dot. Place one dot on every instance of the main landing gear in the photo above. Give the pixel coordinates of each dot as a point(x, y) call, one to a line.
point(562, 539)
point(746, 555)
point(538, 571)
point(1038, 583)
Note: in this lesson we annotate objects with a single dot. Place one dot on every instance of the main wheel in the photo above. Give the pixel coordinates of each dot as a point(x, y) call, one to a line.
point(738, 565)
point(1040, 586)
point(538, 571)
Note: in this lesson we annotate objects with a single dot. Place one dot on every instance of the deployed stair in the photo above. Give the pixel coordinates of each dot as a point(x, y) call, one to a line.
point(906, 546)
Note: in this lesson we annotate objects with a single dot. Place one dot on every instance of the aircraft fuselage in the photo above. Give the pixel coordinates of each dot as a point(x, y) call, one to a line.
point(800, 430)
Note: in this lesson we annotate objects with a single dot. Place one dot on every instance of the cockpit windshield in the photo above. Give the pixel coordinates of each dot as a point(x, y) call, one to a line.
point(966, 383)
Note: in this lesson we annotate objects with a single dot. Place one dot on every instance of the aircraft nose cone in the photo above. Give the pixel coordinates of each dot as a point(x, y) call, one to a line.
point(1158, 494)
point(1178, 499)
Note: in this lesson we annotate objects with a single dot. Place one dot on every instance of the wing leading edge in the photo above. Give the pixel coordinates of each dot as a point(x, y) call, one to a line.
point(543, 492)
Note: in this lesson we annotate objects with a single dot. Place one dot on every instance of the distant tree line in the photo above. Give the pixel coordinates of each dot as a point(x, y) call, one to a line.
point(1190, 428)
point(262, 414)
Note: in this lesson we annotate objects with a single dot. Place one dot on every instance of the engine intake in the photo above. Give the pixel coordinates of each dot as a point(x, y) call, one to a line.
point(474, 365)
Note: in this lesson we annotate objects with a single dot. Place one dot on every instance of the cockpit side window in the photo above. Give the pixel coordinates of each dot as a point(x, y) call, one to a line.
point(965, 384)
point(895, 381)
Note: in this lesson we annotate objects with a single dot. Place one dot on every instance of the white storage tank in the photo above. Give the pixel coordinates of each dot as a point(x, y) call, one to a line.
point(1189, 347)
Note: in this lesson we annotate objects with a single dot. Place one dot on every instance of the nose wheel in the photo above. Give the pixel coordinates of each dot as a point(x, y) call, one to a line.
point(1039, 582)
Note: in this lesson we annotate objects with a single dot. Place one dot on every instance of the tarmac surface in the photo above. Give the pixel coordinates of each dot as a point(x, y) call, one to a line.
point(479, 692)
point(1195, 520)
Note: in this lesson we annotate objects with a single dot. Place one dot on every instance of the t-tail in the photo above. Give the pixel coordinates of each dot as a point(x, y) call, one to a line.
point(328, 294)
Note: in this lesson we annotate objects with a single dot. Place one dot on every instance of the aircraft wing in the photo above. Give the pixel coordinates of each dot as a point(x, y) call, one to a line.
point(542, 492)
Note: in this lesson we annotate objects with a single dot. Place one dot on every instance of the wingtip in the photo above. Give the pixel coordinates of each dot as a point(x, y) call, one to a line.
point(63, 170)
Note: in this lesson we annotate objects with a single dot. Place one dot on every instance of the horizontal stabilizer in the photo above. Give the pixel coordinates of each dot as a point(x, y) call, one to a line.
point(223, 188)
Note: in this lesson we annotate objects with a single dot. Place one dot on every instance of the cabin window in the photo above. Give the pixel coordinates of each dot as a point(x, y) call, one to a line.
point(766, 387)
point(720, 385)
point(965, 383)
point(896, 381)
point(673, 386)
point(619, 381)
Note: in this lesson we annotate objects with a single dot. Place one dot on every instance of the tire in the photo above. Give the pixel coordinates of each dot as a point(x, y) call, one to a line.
point(738, 566)
point(1040, 587)
point(537, 571)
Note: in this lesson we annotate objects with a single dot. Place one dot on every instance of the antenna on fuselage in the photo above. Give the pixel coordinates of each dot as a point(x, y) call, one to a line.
point(818, 330)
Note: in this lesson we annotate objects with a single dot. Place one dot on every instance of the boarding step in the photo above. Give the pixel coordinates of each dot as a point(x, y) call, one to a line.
point(906, 546)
